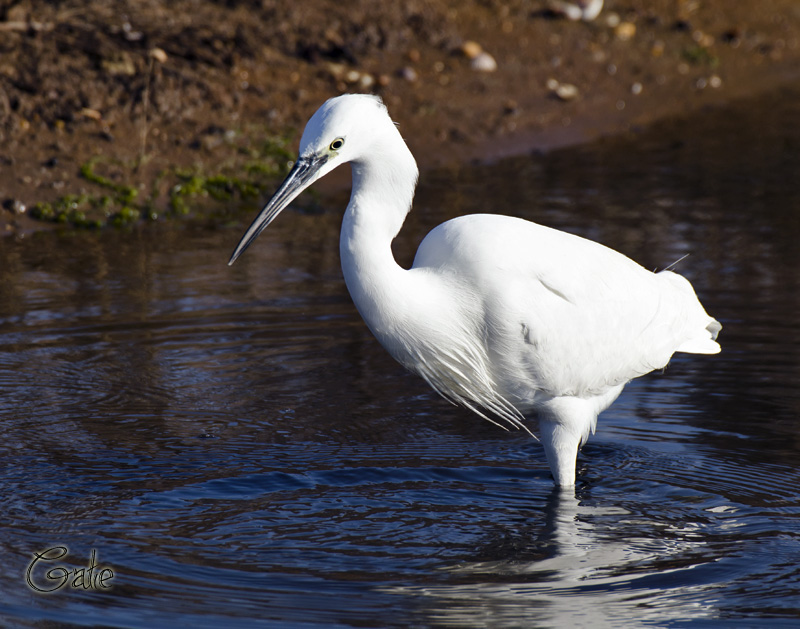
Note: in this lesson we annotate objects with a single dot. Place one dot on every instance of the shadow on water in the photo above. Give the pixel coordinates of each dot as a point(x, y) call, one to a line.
point(236, 447)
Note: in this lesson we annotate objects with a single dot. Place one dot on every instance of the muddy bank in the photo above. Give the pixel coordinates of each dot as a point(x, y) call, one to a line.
point(140, 110)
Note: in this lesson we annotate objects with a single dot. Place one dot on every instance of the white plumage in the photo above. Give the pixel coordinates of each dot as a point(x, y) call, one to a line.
point(498, 314)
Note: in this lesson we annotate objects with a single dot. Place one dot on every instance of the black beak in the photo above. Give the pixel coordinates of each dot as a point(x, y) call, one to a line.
point(302, 175)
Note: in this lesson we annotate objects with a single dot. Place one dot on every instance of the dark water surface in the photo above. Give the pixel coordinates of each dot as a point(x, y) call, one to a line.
point(239, 451)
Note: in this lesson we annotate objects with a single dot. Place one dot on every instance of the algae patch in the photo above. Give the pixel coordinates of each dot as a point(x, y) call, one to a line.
point(116, 201)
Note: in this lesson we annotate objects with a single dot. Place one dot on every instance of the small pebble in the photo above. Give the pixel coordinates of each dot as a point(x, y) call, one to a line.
point(337, 70)
point(409, 74)
point(636, 88)
point(15, 205)
point(714, 81)
point(133, 36)
point(568, 10)
point(704, 40)
point(471, 49)
point(625, 31)
point(562, 91)
point(158, 54)
point(484, 62)
point(586, 10)
point(366, 81)
point(657, 49)
point(91, 113)
point(566, 91)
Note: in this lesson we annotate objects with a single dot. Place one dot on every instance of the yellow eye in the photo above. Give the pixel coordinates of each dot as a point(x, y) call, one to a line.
point(337, 144)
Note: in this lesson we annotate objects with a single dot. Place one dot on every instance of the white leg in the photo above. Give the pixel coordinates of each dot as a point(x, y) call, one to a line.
point(561, 447)
point(565, 424)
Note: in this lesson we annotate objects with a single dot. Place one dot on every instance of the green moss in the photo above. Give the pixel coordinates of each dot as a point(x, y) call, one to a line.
point(68, 210)
point(42, 211)
point(700, 55)
point(125, 217)
point(123, 193)
point(253, 170)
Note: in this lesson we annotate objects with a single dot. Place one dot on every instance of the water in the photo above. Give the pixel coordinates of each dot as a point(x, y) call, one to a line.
point(236, 448)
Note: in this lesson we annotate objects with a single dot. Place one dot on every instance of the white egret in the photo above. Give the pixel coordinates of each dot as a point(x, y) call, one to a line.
point(503, 316)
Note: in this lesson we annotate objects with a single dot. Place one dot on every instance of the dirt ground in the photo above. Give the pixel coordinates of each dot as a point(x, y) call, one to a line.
point(150, 90)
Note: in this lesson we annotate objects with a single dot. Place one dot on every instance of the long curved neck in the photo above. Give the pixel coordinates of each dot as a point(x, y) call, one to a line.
point(383, 188)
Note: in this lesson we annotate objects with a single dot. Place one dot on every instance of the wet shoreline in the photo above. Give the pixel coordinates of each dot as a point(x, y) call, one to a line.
point(165, 92)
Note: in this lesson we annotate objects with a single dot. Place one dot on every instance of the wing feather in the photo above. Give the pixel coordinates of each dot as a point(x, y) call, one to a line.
point(565, 315)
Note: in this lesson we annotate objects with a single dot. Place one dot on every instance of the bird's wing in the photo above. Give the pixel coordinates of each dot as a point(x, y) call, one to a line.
point(570, 316)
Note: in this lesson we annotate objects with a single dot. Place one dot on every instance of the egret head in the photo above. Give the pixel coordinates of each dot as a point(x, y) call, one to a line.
point(339, 132)
point(343, 128)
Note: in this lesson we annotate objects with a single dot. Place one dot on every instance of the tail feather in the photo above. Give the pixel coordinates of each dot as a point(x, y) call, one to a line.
point(705, 344)
point(703, 341)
